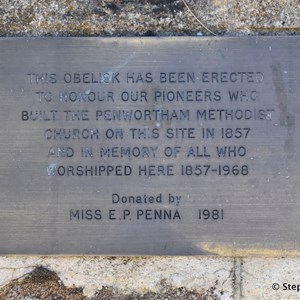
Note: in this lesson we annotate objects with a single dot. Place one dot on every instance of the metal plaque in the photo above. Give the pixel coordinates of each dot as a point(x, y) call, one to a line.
point(177, 145)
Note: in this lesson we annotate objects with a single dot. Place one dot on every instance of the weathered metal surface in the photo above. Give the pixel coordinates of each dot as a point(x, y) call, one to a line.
point(149, 145)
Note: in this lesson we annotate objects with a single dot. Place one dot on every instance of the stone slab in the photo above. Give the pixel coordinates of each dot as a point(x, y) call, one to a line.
point(207, 276)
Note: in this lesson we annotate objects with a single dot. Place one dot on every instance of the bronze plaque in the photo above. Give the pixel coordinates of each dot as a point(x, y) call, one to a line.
point(149, 145)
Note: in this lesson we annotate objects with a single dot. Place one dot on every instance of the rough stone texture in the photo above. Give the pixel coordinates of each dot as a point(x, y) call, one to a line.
point(161, 278)
point(122, 277)
point(33, 278)
point(141, 17)
point(258, 276)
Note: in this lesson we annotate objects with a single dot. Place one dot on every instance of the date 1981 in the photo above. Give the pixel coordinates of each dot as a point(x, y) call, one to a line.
point(211, 214)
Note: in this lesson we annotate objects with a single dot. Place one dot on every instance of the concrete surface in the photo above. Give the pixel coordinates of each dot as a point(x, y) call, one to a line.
point(148, 277)
point(141, 17)
point(125, 275)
